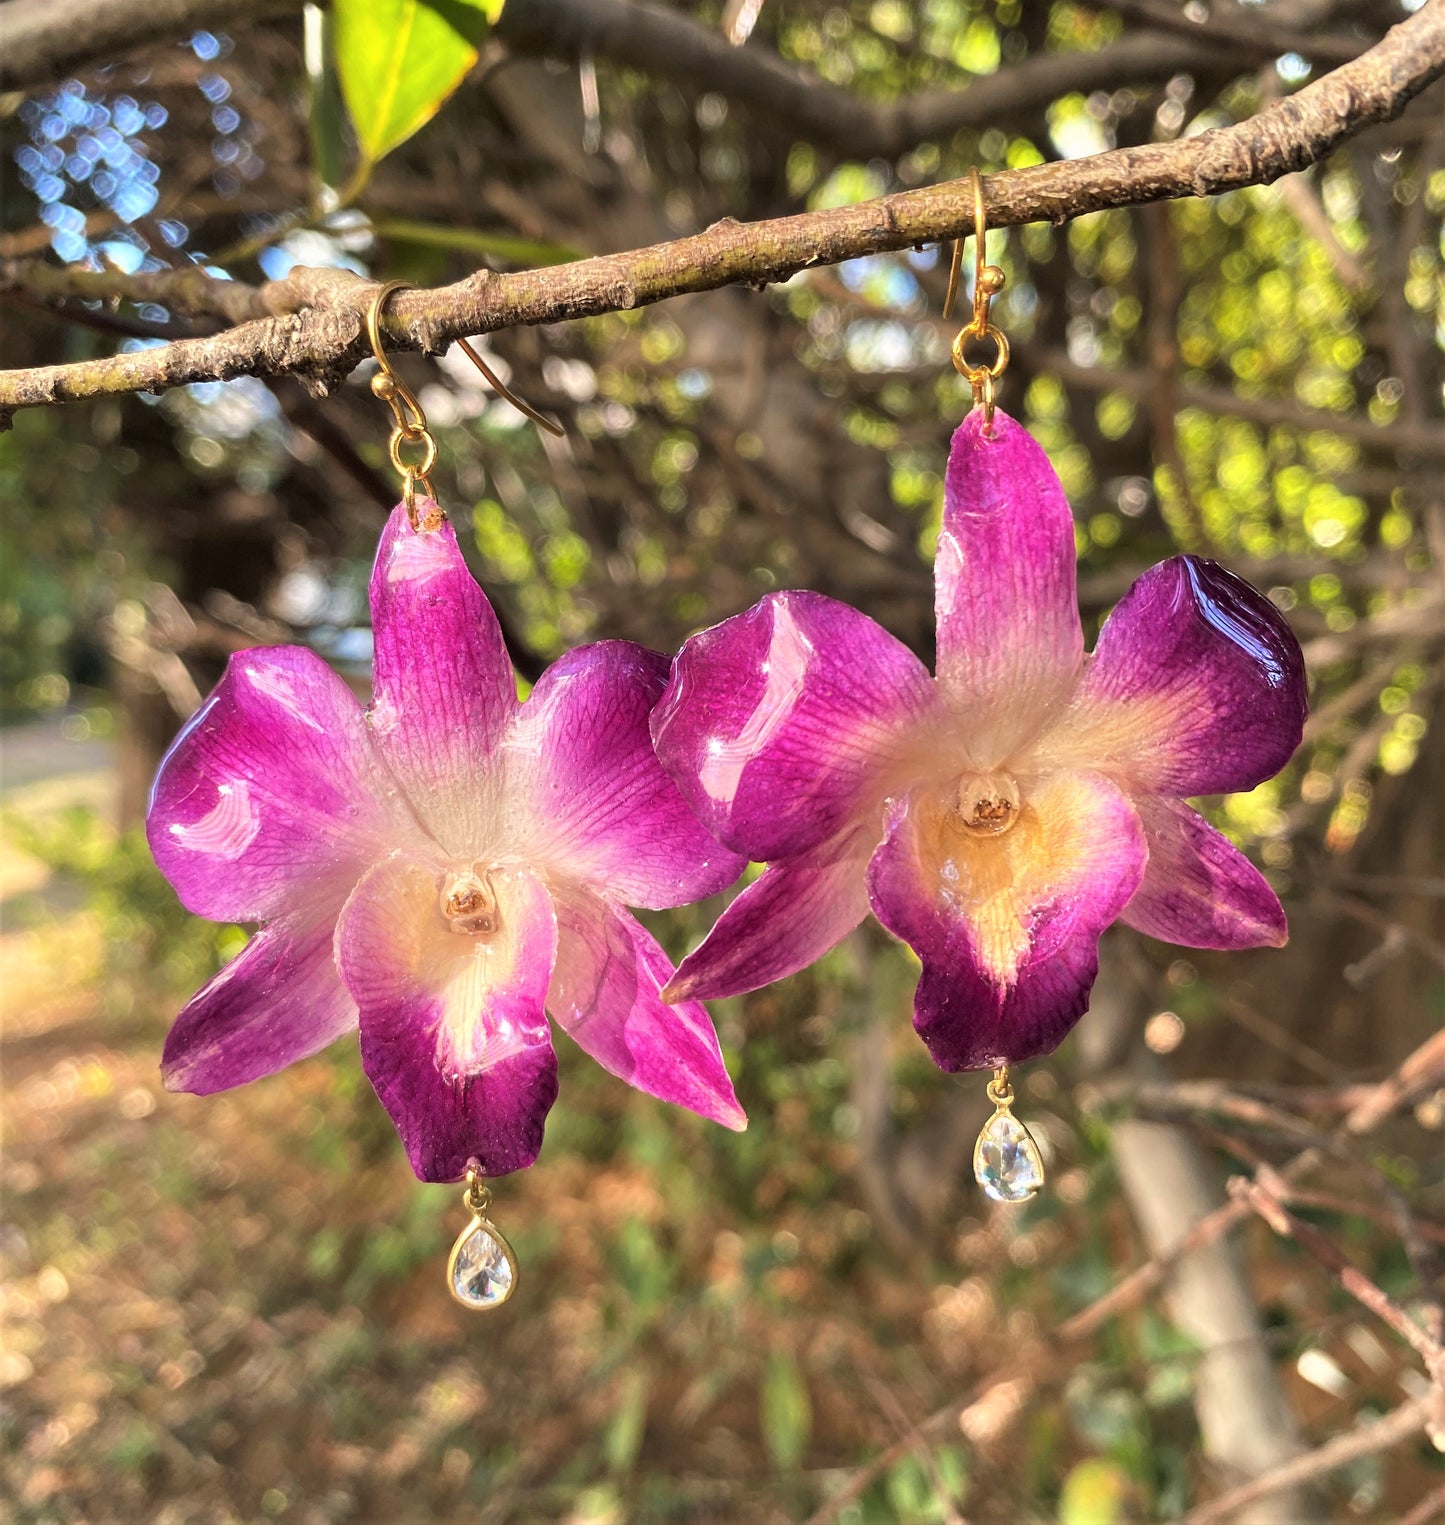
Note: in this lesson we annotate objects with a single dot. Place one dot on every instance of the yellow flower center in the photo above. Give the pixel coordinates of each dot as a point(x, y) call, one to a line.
point(469, 904)
point(986, 803)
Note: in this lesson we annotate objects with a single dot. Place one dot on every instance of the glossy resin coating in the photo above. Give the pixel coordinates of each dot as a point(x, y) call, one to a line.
point(1000, 815)
point(442, 870)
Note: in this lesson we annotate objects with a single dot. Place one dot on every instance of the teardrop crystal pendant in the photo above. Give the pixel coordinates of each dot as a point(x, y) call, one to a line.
point(1006, 1160)
point(482, 1270)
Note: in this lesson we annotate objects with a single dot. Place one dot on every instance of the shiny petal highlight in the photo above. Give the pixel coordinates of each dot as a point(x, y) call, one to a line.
point(781, 725)
point(273, 792)
point(1197, 686)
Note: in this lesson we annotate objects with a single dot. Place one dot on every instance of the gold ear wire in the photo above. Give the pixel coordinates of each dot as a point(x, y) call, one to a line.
point(497, 385)
point(953, 273)
point(410, 422)
point(988, 281)
point(410, 426)
point(956, 265)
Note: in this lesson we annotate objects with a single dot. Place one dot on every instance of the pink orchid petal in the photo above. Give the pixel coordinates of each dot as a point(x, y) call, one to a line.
point(277, 1001)
point(781, 724)
point(444, 687)
point(1199, 889)
point(272, 792)
point(793, 914)
point(1007, 926)
point(453, 1033)
point(1197, 686)
point(1009, 639)
point(588, 798)
point(605, 994)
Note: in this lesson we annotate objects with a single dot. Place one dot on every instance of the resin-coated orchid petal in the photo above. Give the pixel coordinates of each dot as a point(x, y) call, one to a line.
point(1199, 889)
point(277, 1001)
point(449, 968)
point(444, 688)
point(779, 724)
point(799, 909)
point(273, 789)
point(1007, 926)
point(1022, 807)
point(1196, 687)
point(605, 994)
point(1009, 638)
point(408, 861)
point(587, 790)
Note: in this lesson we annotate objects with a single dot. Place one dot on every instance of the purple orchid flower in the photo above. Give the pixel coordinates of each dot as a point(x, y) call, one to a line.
point(440, 869)
point(1000, 816)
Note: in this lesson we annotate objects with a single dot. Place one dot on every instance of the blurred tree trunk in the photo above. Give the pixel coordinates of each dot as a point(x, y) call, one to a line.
point(1246, 1426)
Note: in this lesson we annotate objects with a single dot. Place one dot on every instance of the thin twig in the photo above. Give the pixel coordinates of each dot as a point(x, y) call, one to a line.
point(1348, 1275)
point(1372, 1212)
point(1388, 926)
point(1423, 1068)
point(1279, 1037)
point(1365, 1440)
point(921, 1449)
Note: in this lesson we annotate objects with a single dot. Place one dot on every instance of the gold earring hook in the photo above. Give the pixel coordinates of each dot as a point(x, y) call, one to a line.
point(956, 265)
point(988, 281)
point(410, 422)
point(497, 385)
point(373, 318)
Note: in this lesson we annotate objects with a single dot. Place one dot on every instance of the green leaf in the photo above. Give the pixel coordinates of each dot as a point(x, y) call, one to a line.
point(325, 117)
point(521, 251)
point(398, 60)
point(787, 1412)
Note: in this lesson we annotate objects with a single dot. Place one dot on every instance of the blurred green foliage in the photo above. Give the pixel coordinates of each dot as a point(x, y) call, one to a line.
point(63, 560)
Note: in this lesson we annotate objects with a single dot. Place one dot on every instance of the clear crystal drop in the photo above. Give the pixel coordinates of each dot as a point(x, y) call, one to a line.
point(1006, 1161)
point(482, 1270)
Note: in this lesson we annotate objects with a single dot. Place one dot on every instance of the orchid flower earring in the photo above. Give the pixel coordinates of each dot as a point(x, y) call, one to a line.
point(998, 816)
point(441, 871)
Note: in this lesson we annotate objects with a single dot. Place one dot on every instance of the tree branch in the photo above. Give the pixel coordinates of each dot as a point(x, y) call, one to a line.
point(1261, 37)
point(664, 43)
point(1264, 1201)
point(42, 40)
point(311, 324)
